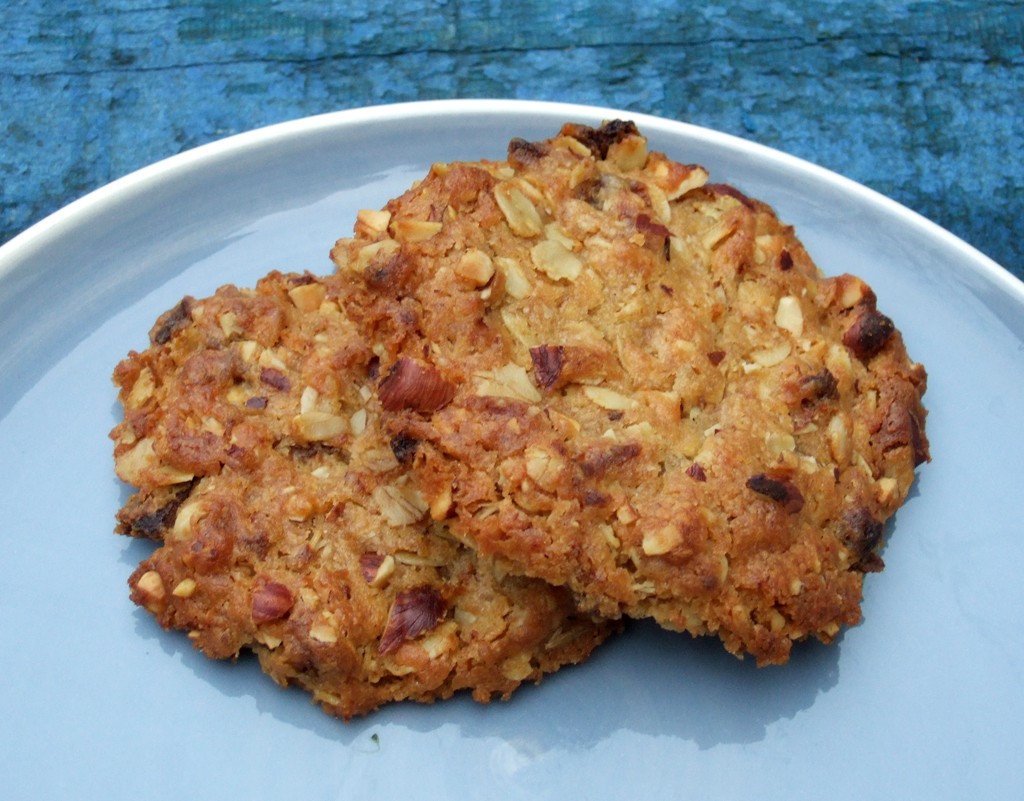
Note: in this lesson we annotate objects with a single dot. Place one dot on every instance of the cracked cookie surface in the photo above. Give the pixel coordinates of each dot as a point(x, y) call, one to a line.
point(618, 377)
point(287, 526)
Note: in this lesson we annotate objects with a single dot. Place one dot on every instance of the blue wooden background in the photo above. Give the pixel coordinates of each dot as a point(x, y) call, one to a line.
point(919, 100)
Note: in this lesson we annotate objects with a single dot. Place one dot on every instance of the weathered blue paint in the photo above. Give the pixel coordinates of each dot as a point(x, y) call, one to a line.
point(920, 100)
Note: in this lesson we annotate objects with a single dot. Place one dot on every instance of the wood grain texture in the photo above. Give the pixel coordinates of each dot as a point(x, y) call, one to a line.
point(919, 100)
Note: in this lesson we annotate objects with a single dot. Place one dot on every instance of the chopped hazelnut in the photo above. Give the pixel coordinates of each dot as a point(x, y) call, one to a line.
point(271, 601)
point(298, 506)
point(544, 467)
point(141, 465)
point(441, 504)
point(696, 472)
point(142, 389)
point(789, 316)
point(626, 514)
point(412, 613)
point(307, 297)
point(887, 488)
point(475, 266)
point(517, 668)
point(150, 591)
point(547, 364)
point(852, 290)
point(662, 540)
point(184, 588)
point(368, 253)
point(323, 632)
point(629, 153)
point(413, 385)
point(228, 322)
point(370, 222)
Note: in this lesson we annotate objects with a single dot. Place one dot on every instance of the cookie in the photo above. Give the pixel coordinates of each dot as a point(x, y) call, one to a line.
point(287, 525)
point(622, 378)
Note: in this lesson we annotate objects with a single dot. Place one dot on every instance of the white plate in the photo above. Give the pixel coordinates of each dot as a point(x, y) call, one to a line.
point(924, 700)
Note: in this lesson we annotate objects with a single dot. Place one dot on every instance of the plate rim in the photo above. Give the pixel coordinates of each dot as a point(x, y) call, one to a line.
point(35, 237)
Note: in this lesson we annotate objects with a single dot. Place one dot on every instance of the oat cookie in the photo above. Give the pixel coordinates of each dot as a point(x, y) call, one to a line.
point(287, 525)
point(628, 380)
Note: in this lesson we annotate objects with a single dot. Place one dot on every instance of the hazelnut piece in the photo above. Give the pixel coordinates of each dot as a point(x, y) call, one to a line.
point(413, 612)
point(412, 385)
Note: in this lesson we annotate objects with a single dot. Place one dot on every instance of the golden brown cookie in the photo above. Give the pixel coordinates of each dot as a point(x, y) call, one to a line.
point(287, 523)
point(627, 380)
